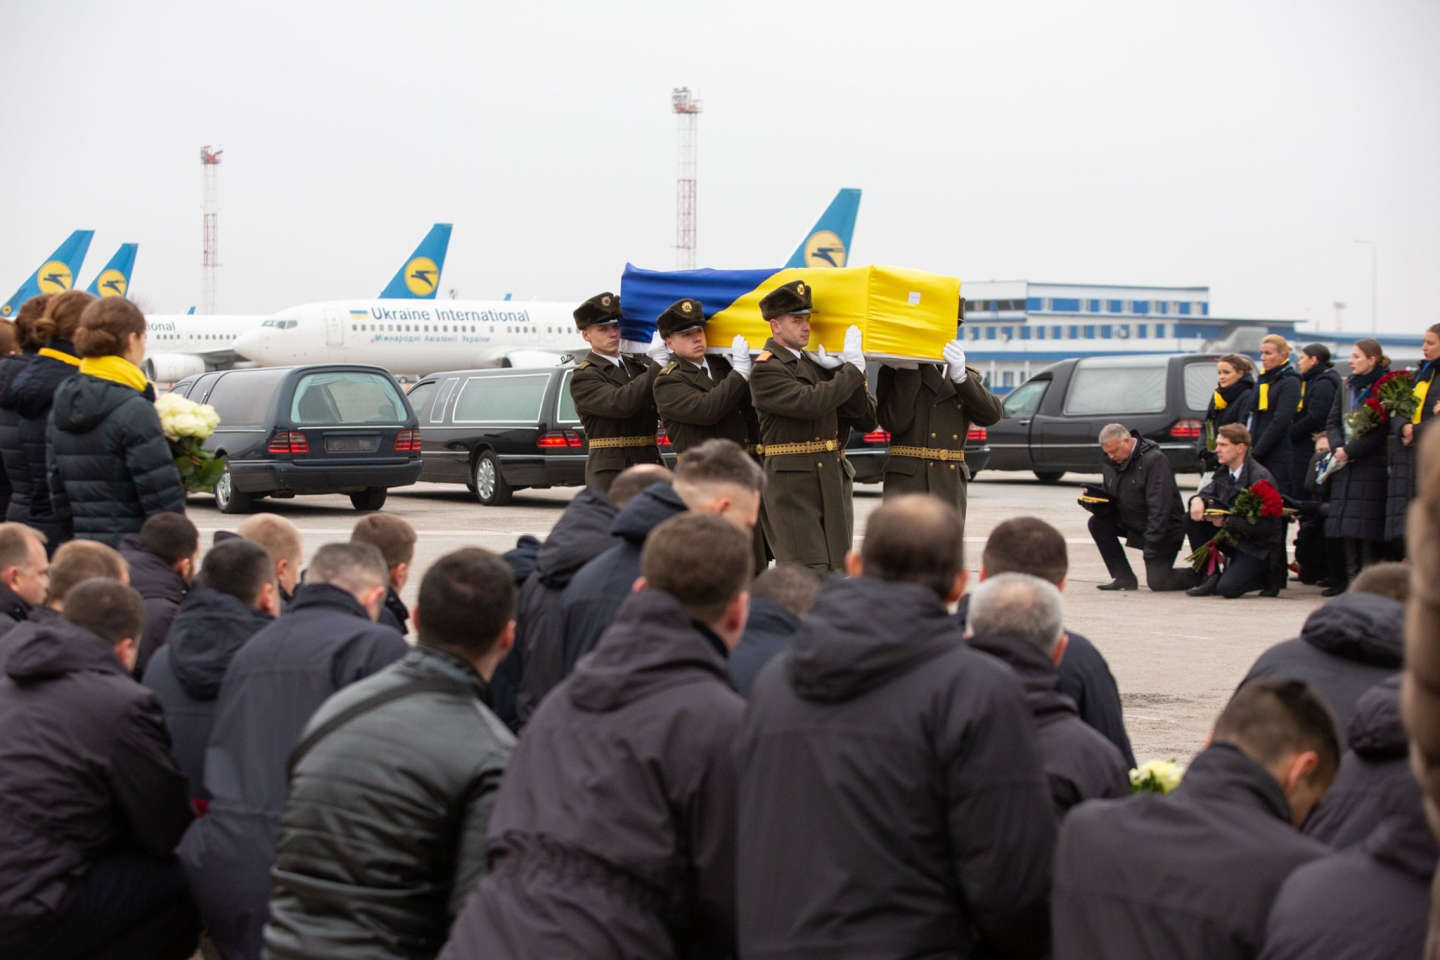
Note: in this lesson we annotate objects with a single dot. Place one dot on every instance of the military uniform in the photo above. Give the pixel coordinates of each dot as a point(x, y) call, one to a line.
point(615, 402)
point(696, 406)
point(928, 416)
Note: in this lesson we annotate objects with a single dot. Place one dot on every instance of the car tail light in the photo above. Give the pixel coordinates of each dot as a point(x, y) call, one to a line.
point(407, 441)
point(878, 436)
point(559, 440)
point(977, 435)
point(288, 441)
point(662, 439)
point(1184, 429)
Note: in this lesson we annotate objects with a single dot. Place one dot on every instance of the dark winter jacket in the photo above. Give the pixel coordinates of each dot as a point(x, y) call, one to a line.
point(33, 391)
point(614, 831)
point(596, 591)
point(505, 681)
point(1188, 875)
point(1357, 492)
point(1236, 400)
point(13, 609)
point(383, 836)
point(109, 464)
point(767, 633)
point(1345, 647)
point(1374, 781)
point(1080, 764)
point(85, 768)
point(394, 613)
point(16, 497)
point(1400, 489)
point(1317, 393)
point(275, 682)
point(163, 590)
point(185, 674)
point(580, 535)
point(1266, 536)
point(1147, 502)
point(1272, 411)
point(893, 802)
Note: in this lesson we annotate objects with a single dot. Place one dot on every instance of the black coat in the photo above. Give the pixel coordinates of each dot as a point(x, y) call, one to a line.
point(1147, 502)
point(1357, 492)
point(393, 613)
point(1401, 489)
point(1266, 536)
point(33, 392)
point(274, 683)
point(614, 831)
point(185, 674)
point(1318, 389)
point(505, 680)
point(163, 590)
point(580, 535)
point(13, 609)
point(1270, 427)
point(595, 593)
point(85, 768)
point(893, 802)
point(1345, 647)
point(1188, 875)
point(16, 499)
point(1237, 408)
point(767, 633)
point(383, 836)
point(1080, 764)
point(109, 464)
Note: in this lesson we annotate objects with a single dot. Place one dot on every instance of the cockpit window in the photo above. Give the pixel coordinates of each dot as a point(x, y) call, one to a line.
point(268, 323)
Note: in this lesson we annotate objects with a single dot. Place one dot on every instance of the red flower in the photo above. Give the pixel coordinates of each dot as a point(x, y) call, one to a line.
point(1271, 503)
point(1373, 402)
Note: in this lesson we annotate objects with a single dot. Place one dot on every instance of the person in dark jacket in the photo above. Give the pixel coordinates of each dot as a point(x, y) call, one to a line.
point(779, 597)
point(12, 463)
point(1229, 403)
point(1193, 874)
point(283, 542)
point(1144, 509)
point(395, 539)
point(1345, 647)
point(107, 461)
point(1357, 492)
point(1255, 553)
point(73, 564)
point(275, 682)
point(613, 834)
point(505, 679)
point(1319, 382)
point(391, 789)
point(24, 573)
point(1403, 434)
point(945, 849)
point(162, 558)
point(93, 801)
point(1017, 618)
point(714, 477)
point(33, 391)
point(1272, 411)
point(235, 597)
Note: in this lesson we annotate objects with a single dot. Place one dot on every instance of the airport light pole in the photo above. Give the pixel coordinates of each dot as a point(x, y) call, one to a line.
point(1374, 272)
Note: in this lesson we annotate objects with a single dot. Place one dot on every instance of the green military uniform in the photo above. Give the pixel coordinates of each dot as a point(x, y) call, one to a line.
point(615, 402)
point(694, 405)
point(928, 416)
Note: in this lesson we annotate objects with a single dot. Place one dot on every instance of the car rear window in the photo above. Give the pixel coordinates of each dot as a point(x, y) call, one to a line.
point(501, 399)
point(1199, 384)
point(244, 399)
point(346, 397)
point(565, 411)
point(1105, 385)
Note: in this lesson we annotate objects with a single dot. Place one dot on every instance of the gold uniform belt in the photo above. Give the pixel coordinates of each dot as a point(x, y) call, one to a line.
point(604, 443)
point(808, 446)
point(928, 453)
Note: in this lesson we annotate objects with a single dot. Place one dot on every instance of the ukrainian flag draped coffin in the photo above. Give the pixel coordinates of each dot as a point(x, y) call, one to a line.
point(902, 313)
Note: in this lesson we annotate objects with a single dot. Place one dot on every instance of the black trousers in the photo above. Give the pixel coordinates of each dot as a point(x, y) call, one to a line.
point(1159, 573)
point(125, 907)
point(1243, 573)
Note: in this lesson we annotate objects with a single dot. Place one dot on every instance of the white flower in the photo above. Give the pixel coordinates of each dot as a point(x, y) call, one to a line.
point(1157, 776)
point(183, 418)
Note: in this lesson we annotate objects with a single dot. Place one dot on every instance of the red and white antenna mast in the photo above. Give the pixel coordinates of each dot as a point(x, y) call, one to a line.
point(686, 110)
point(210, 226)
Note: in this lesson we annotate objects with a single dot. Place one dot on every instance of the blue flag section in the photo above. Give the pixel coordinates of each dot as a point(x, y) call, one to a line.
point(828, 242)
point(419, 278)
point(55, 275)
point(114, 278)
point(644, 294)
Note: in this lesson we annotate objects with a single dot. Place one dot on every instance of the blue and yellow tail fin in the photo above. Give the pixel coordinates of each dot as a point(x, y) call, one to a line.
point(419, 278)
point(114, 279)
point(828, 242)
point(55, 275)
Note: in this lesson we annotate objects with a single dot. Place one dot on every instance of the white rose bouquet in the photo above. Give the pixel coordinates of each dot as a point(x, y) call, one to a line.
point(187, 426)
point(1155, 776)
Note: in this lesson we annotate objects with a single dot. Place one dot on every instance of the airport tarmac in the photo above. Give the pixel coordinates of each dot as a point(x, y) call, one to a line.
point(1176, 658)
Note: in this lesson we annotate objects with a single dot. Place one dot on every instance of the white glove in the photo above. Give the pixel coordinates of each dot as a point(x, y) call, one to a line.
point(954, 354)
point(633, 348)
point(823, 359)
point(894, 364)
point(852, 353)
point(740, 360)
point(657, 350)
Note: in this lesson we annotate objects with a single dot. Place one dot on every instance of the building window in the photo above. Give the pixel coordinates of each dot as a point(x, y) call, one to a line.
point(1106, 331)
point(1068, 304)
point(1033, 303)
point(1159, 330)
point(1117, 306)
point(1142, 330)
point(1089, 331)
point(1161, 307)
point(1140, 306)
point(1007, 379)
point(1093, 306)
point(989, 333)
point(1039, 333)
point(1204, 309)
point(1025, 333)
point(1183, 308)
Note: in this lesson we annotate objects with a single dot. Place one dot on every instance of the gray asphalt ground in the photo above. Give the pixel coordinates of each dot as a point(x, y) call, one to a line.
point(1176, 658)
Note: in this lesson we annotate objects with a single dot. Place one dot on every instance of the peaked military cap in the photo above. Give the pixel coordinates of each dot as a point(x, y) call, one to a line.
point(601, 308)
point(684, 314)
point(793, 297)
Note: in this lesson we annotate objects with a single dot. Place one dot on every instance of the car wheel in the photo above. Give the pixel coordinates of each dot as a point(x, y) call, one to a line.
point(227, 498)
point(490, 486)
point(371, 498)
point(1049, 476)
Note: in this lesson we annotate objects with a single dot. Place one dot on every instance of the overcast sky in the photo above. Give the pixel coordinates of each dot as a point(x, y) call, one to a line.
point(1244, 145)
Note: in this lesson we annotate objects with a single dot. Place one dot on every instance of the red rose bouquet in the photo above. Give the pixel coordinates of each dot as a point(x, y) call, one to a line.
point(1260, 501)
point(1393, 395)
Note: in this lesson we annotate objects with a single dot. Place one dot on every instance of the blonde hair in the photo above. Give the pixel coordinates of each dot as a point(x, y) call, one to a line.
point(1279, 343)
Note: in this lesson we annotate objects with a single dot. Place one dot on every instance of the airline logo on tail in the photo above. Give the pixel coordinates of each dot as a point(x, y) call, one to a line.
point(828, 243)
point(422, 276)
point(55, 277)
point(824, 249)
point(56, 274)
point(114, 277)
point(111, 283)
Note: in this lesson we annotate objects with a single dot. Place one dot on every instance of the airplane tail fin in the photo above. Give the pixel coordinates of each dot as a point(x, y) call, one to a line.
point(55, 275)
point(828, 242)
point(419, 278)
point(114, 279)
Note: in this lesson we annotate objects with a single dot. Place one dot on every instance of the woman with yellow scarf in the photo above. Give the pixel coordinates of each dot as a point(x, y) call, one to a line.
point(1405, 440)
point(110, 467)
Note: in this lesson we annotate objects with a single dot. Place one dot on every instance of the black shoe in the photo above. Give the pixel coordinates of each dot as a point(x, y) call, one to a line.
point(1131, 584)
point(1270, 592)
point(1205, 587)
point(1332, 591)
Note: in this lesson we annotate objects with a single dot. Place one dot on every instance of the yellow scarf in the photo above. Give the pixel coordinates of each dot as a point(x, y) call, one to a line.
point(1301, 405)
point(116, 369)
point(1219, 401)
point(1421, 389)
point(60, 355)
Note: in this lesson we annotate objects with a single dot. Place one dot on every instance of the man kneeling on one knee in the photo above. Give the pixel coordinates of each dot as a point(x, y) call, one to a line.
point(1253, 549)
point(1144, 508)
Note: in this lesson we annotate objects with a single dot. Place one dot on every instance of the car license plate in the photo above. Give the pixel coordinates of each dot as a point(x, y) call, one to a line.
point(352, 444)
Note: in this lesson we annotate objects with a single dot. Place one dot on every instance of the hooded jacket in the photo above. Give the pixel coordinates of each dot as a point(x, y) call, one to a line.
point(1279, 391)
point(163, 590)
point(1080, 764)
point(893, 802)
point(18, 503)
point(767, 633)
point(1345, 647)
point(85, 768)
point(185, 674)
point(1147, 502)
point(109, 465)
point(613, 833)
point(33, 393)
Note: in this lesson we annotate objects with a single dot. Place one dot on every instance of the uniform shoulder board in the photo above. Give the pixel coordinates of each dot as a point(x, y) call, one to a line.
point(669, 368)
point(582, 364)
point(763, 355)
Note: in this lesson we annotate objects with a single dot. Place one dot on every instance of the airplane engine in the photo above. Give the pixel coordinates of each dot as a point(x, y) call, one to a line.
point(169, 367)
